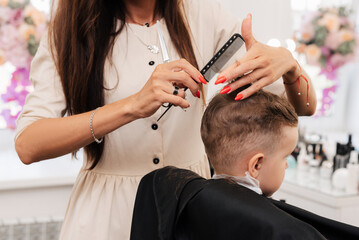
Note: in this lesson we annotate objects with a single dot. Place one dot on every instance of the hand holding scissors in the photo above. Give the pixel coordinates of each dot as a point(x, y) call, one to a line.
point(162, 86)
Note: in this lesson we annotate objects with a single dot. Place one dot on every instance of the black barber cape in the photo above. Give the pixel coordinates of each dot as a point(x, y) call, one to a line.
point(174, 203)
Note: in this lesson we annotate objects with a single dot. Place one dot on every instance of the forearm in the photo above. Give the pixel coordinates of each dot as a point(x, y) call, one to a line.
point(300, 101)
point(50, 138)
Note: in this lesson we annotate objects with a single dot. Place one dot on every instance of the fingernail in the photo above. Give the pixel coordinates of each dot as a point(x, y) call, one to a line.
point(239, 97)
point(198, 94)
point(225, 90)
point(220, 80)
point(201, 78)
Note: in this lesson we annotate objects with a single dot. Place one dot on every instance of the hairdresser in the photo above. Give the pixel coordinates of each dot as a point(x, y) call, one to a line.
point(100, 83)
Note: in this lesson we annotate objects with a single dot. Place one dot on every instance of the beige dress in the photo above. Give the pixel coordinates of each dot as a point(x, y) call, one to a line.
point(102, 199)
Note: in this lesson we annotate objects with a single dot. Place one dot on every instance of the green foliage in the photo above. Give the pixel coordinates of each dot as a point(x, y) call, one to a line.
point(321, 33)
point(32, 45)
point(346, 47)
point(14, 4)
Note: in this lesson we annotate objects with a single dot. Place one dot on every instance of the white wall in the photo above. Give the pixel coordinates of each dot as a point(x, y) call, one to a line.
point(271, 18)
point(352, 117)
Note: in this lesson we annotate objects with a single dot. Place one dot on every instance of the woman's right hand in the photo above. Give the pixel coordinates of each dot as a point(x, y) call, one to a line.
point(159, 88)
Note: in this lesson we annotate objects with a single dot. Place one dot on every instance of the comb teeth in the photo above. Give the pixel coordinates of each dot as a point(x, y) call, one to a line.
point(218, 54)
point(210, 64)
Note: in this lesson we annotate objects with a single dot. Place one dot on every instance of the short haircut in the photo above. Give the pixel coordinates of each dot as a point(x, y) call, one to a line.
point(231, 129)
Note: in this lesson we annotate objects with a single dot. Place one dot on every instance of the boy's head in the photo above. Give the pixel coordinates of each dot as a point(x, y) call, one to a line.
point(255, 135)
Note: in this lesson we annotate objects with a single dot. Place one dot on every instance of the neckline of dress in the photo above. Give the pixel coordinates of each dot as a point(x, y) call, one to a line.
point(135, 26)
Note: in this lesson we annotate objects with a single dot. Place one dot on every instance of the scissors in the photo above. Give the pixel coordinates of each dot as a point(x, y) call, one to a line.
point(166, 59)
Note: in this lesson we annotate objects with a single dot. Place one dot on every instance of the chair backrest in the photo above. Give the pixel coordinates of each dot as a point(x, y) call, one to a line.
point(157, 204)
point(174, 203)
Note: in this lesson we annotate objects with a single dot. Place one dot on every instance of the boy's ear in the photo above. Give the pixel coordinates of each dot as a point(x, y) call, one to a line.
point(255, 164)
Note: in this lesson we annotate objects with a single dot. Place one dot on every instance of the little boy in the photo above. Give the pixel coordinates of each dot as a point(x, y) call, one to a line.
point(248, 140)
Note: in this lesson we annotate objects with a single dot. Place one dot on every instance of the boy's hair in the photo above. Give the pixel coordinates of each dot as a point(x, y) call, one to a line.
point(232, 129)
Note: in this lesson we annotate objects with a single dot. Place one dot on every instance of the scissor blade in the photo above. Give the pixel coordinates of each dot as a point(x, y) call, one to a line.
point(165, 55)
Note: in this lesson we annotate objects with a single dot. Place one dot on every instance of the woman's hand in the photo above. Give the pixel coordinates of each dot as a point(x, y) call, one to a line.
point(159, 89)
point(261, 65)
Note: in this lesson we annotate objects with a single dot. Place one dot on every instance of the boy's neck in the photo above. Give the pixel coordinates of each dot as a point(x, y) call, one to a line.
point(236, 171)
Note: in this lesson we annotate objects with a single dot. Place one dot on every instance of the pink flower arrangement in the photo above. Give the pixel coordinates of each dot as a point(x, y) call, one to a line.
point(328, 40)
point(21, 28)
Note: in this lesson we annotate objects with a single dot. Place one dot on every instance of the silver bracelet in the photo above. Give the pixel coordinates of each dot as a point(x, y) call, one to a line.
point(93, 135)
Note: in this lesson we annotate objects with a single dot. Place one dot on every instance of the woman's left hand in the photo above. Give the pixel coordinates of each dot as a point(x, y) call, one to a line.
point(261, 65)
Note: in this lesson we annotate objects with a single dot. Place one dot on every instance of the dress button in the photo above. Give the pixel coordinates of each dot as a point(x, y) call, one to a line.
point(151, 63)
point(154, 126)
point(156, 160)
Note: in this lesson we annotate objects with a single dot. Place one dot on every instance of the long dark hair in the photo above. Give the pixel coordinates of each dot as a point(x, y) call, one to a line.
point(82, 35)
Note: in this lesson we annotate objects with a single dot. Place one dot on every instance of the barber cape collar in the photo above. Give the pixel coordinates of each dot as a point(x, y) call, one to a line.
point(247, 181)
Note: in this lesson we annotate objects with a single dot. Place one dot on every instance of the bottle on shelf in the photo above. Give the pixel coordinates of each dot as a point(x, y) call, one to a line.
point(340, 158)
point(302, 158)
point(340, 174)
point(349, 148)
point(352, 179)
point(326, 169)
point(313, 170)
point(350, 144)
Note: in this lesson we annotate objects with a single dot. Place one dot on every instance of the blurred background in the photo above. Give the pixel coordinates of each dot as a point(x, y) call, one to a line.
point(322, 36)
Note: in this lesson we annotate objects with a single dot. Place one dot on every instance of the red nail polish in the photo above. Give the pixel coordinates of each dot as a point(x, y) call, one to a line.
point(220, 80)
point(239, 97)
point(225, 90)
point(201, 78)
point(198, 94)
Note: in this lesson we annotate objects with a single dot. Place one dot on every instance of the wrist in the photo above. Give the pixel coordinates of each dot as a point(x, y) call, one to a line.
point(293, 73)
point(125, 110)
point(130, 109)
